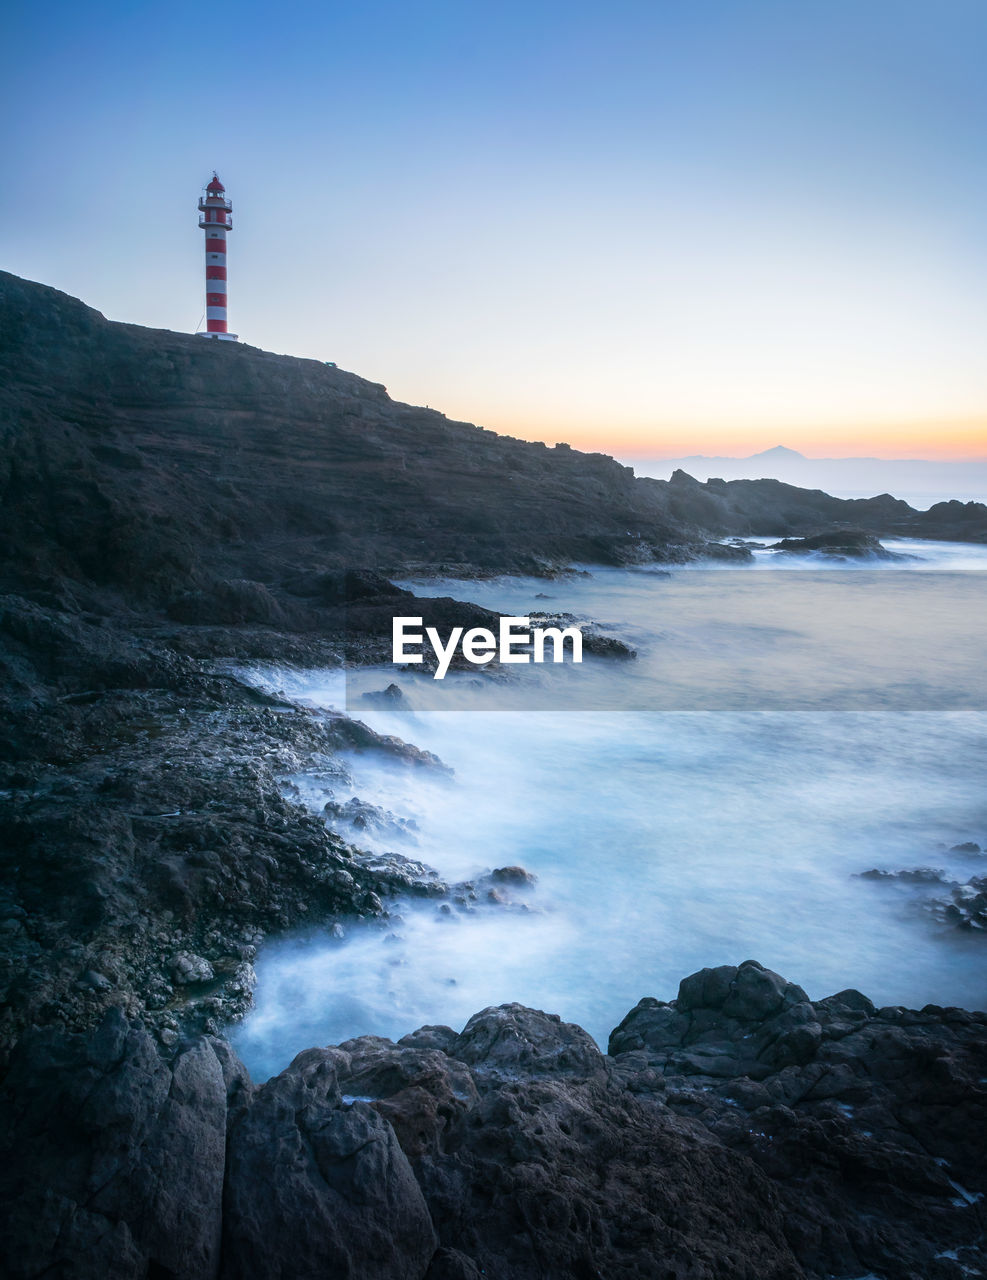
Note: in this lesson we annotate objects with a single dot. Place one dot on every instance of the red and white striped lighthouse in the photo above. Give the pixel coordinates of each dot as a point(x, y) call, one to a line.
point(216, 218)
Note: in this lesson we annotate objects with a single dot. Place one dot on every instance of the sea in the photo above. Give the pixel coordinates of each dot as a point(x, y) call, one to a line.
point(784, 727)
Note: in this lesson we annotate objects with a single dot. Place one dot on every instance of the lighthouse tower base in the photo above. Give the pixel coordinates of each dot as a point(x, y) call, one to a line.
point(222, 337)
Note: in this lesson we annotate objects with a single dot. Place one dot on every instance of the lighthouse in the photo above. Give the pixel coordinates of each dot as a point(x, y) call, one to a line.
point(216, 218)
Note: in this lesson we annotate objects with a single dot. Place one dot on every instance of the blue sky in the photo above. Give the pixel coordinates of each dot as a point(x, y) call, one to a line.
point(666, 227)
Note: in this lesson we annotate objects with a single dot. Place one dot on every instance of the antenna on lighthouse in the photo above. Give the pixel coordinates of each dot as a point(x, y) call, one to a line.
point(216, 218)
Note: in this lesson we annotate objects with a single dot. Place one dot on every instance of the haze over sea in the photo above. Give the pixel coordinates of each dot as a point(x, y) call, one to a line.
point(920, 483)
point(784, 728)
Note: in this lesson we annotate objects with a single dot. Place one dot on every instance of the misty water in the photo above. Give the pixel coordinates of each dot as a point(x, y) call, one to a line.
point(783, 728)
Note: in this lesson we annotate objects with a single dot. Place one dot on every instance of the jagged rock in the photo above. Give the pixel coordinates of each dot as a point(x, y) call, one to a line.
point(741, 1131)
point(434, 1037)
point(842, 544)
point(514, 1149)
point(389, 697)
point(374, 1067)
point(354, 733)
point(317, 1188)
point(595, 640)
point(229, 603)
point(113, 1159)
point(363, 816)
point(511, 1039)
point(450, 1264)
point(97, 981)
point(919, 875)
point(397, 874)
point(731, 552)
point(344, 587)
point(708, 1030)
point(513, 876)
point(965, 906)
point(861, 1117)
point(604, 646)
point(187, 968)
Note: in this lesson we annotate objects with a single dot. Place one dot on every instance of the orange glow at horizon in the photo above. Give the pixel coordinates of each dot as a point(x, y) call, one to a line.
point(963, 440)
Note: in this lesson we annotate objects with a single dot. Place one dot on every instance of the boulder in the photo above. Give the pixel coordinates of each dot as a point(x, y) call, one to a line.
point(510, 1040)
point(867, 1121)
point(113, 1157)
point(318, 1188)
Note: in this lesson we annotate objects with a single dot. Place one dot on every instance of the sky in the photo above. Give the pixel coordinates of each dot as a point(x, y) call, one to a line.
point(651, 227)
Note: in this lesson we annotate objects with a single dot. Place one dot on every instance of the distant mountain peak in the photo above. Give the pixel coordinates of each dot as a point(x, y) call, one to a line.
point(779, 451)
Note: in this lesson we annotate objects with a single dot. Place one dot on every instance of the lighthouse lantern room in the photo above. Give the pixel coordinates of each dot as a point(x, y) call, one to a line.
point(216, 218)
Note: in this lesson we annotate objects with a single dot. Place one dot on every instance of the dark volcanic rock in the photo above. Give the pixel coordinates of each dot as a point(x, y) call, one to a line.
point(964, 906)
point(229, 604)
point(534, 1165)
point(842, 544)
point(868, 1121)
point(513, 876)
point(741, 508)
point(512, 1041)
point(316, 1188)
point(730, 552)
point(144, 820)
point(726, 1022)
point(232, 485)
point(919, 875)
point(515, 1149)
point(363, 816)
point(165, 503)
point(595, 640)
point(952, 521)
point(389, 697)
point(154, 462)
point(113, 1159)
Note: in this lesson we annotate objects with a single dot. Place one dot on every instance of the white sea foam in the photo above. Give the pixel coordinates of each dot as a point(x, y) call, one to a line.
point(673, 837)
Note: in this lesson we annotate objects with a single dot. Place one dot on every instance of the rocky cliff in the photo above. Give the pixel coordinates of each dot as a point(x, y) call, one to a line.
point(769, 507)
point(153, 463)
point(164, 502)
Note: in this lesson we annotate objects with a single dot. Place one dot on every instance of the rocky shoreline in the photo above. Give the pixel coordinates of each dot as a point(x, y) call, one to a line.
point(169, 512)
point(149, 845)
point(152, 841)
point(739, 1131)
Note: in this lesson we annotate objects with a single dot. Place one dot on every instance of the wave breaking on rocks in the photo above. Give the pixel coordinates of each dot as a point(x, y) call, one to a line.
point(740, 1130)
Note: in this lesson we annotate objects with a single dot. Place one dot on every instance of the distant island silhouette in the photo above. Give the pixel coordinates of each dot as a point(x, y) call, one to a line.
point(921, 482)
